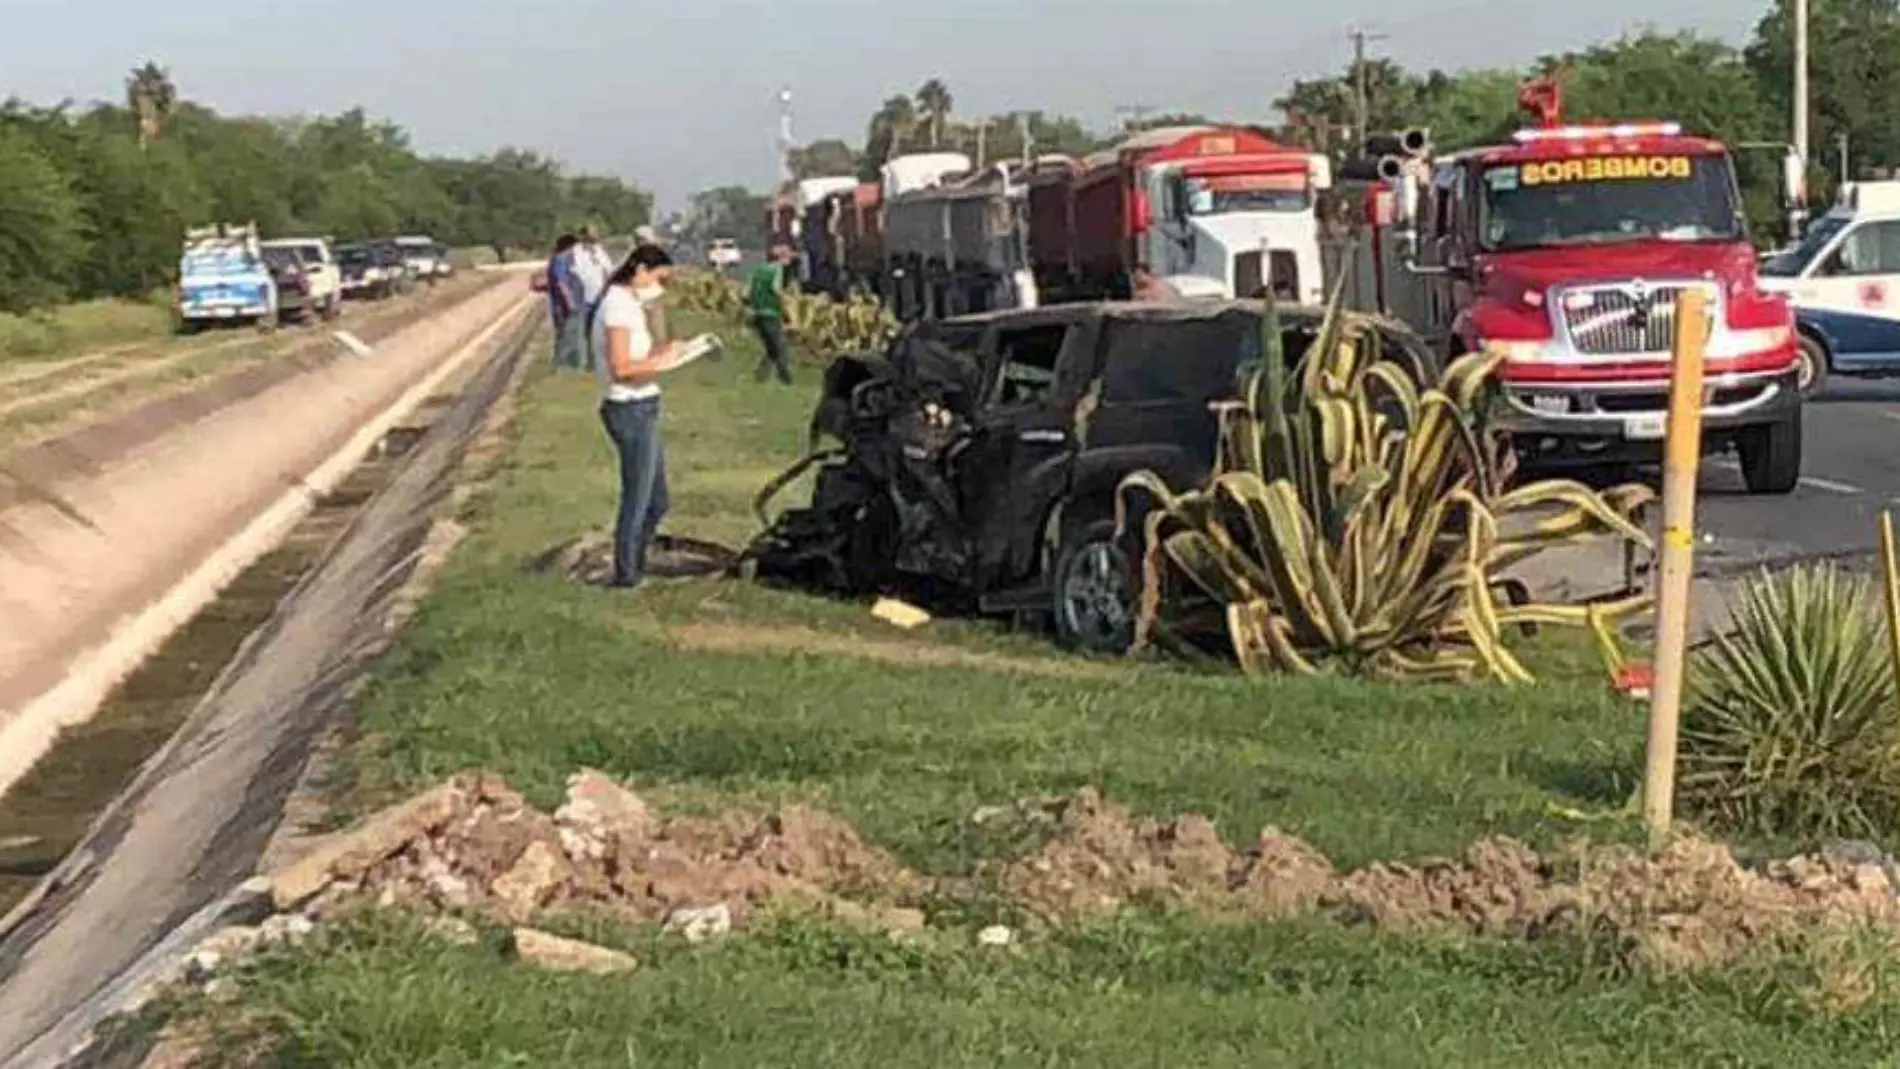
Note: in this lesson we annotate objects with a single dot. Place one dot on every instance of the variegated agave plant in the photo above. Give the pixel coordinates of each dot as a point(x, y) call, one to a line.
point(1357, 522)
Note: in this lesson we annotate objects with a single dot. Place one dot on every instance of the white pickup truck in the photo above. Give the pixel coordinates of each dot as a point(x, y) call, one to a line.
point(724, 253)
point(321, 272)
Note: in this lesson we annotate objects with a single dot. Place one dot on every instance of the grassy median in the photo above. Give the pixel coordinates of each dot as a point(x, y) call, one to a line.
point(707, 694)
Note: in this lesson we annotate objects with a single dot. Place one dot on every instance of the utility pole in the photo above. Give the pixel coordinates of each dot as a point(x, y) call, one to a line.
point(1361, 94)
point(1028, 140)
point(1801, 105)
point(982, 140)
point(1132, 114)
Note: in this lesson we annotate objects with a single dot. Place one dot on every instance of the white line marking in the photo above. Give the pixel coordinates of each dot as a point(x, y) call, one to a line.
point(1829, 484)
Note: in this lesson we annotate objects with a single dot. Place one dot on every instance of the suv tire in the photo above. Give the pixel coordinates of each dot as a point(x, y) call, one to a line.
point(1771, 455)
point(1094, 589)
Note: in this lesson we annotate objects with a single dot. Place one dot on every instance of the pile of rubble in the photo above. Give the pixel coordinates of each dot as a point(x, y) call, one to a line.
point(1689, 905)
point(473, 846)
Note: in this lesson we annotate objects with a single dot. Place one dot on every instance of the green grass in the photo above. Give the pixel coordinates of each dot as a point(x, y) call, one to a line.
point(1147, 991)
point(531, 676)
point(74, 329)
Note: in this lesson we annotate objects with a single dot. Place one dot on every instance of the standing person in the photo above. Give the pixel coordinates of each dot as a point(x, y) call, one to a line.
point(628, 365)
point(564, 303)
point(591, 268)
point(766, 301)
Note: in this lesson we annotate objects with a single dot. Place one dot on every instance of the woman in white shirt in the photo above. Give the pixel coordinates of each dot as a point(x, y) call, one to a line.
point(628, 365)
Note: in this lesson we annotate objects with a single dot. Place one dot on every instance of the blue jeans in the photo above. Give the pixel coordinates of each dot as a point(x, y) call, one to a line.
point(634, 427)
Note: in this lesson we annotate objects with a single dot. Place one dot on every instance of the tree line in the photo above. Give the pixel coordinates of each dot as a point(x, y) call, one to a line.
point(94, 200)
point(1742, 95)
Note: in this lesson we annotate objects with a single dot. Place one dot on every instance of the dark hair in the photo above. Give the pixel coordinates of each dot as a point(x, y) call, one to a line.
point(647, 256)
point(564, 243)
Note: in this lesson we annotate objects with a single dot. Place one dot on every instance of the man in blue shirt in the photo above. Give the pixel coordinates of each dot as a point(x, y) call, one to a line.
point(565, 307)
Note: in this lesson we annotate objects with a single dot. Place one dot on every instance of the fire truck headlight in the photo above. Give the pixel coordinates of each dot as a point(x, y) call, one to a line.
point(1519, 351)
point(1733, 343)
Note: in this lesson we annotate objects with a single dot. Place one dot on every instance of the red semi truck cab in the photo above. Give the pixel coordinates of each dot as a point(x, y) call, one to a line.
point(1568, 249)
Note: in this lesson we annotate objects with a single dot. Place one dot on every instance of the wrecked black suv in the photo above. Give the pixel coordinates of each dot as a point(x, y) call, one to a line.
point(979, 457)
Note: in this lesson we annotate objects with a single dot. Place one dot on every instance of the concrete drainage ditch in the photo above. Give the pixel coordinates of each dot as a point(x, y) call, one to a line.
point(163, 864)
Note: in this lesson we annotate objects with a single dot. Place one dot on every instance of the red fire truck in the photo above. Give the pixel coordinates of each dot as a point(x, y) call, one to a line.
point(1568, 248)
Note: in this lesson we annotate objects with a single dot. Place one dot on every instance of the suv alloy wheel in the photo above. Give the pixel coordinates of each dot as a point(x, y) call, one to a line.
point(1094, 590)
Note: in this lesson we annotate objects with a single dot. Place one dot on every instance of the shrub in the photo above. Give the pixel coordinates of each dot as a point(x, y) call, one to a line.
point(1790, 722)
point(1356, 522)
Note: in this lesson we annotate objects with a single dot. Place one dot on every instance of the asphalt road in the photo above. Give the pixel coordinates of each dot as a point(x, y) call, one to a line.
point(1850, 472)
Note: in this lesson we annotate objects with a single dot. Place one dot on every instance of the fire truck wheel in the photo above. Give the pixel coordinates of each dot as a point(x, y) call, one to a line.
point(1771, 456)
point(1813, 367)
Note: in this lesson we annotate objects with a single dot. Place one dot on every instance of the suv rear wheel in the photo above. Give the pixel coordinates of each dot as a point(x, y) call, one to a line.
point(1095, 592)
point(1771, 455)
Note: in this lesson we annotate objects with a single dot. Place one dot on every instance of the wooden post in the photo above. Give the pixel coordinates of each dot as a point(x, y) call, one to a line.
point(1891, 574)
point(1682, 456)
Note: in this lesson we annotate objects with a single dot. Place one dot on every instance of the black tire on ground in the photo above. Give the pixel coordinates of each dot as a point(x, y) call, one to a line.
point(333, 307)
point(1094, 588)
point(1814, 367)
point(1771, 456)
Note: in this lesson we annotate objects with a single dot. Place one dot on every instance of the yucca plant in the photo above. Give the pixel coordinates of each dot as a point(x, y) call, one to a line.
point(1357, 522)
point(1790, 724)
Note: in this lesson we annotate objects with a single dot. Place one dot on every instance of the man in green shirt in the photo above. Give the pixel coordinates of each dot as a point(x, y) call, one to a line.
point(767, 304)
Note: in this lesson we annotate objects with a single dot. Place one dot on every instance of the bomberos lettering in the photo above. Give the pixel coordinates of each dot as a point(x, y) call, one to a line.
point(1605, 168)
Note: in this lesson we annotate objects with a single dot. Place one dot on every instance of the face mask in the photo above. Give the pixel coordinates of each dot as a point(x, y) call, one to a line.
point(650, 291)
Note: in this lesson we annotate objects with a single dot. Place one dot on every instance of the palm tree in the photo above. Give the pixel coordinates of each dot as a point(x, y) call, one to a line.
point(934, 102)
point(152, 97)
point(889, 126)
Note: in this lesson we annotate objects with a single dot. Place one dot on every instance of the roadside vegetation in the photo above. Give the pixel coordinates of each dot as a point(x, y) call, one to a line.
point(99, 196)
point(711, 696)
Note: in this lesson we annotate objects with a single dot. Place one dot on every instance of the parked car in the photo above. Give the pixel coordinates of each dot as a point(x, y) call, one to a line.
point(420, 252)
point(222, 278)
point(724, 253)
point(321, 275)
point(296, 301)
point(982, 454)
point(444, 266)
point(399, 262)
point(371, 272)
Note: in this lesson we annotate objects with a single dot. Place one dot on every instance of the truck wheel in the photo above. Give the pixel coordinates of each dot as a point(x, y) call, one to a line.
point(1771, 456)
point(1813, 374)
point(1094, 590)
point(333, 307)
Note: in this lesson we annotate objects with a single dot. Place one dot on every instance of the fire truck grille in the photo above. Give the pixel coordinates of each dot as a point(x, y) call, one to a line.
point(1247, 280)
point(1620, 319)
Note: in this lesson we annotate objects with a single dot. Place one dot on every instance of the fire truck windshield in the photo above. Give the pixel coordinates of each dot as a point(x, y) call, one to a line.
point(1598, 200)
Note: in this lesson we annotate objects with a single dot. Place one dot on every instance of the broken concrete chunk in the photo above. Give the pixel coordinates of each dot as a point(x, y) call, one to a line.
point(286, 928)
point(532, 881)
point(700, 923)
point(569, 955)
point(899, 613)
point(452, 929)
point(599, 811)
point(351, 854)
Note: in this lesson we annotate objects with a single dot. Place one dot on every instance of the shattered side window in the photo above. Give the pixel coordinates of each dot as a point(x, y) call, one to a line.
point(1180, 360)
point(1028, 358)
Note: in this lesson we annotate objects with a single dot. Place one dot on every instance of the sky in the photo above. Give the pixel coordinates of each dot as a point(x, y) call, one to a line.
point(682, 95)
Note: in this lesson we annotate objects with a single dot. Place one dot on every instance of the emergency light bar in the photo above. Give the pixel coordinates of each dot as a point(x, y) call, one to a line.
point(1621, 130)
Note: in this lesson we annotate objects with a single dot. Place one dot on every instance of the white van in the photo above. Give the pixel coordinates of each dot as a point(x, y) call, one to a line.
point(1843, 278)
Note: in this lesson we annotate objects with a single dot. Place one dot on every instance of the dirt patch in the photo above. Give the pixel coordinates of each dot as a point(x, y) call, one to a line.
point(590, 558)
point(751, 638)
point(1690, 905)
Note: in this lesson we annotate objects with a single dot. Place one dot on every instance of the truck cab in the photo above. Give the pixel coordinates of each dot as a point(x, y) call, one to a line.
point(1567, 249)
point(1843, 278)
point(1213, 220)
